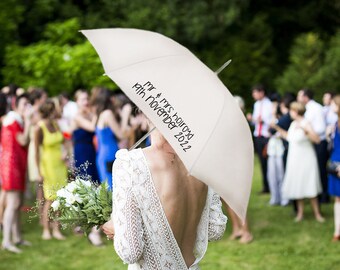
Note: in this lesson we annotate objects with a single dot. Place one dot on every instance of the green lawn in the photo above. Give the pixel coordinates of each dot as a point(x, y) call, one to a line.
point(279, 244)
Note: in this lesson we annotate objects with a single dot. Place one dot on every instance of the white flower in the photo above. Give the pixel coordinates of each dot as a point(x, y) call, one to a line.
point(71, 187)
point(70, 198)
point(55, 205)
point(87, 183)
point(78, 198)
point(62, 193)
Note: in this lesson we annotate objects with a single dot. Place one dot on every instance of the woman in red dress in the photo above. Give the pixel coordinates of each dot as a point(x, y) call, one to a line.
point(13, 163)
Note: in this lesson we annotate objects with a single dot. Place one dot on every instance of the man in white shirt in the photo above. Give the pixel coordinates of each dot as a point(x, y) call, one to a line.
point(315, 115)
point(261, 119)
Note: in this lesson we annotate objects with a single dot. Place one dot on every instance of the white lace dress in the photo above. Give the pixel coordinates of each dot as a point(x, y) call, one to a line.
point(143, 237)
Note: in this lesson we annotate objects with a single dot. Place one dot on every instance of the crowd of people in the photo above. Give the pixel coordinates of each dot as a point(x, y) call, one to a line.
point(47, 140)
point(44, 138)
point(297, 142)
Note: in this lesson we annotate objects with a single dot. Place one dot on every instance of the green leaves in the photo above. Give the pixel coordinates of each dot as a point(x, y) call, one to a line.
point(55, 64)
point(93, 208)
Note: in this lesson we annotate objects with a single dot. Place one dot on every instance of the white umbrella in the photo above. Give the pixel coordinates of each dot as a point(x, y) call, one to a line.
point(187, 102)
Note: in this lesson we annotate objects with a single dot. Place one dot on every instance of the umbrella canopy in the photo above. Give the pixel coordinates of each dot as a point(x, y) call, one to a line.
point(187, 102)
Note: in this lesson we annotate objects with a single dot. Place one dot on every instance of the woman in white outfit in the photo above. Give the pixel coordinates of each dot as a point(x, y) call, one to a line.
point(162, 217)
point(302, 178)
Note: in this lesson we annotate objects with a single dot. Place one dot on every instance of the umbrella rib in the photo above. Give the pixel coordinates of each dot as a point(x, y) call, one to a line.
point(143, 61)
point(212, 132)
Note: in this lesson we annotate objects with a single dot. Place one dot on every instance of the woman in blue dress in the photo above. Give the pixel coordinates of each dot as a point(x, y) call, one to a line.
point(83, 126)
point(334, 179)
point(108, 132)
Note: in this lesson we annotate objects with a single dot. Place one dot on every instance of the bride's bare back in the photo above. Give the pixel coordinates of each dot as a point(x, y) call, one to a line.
point(183, 197)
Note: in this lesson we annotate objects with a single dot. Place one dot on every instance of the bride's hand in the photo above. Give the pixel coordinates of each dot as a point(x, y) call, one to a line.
point(108, 229)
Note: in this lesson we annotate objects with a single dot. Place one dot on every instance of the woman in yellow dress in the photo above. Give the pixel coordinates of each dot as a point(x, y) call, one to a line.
point(52, 168)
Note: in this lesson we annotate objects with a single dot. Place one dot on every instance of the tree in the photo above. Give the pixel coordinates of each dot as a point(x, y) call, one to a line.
point(305, 60)
point(327, 77)
point(55, 64)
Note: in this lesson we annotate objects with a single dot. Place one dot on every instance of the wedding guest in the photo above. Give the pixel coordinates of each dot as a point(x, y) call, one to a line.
point(37, 98)
point(126, 114)
point(329, 114)
point(51, 159)
point(153, 194)
point(69, 109)
point(108, 132)
point(275, 151)
point(14, 141)
point(240, 230)
point(334, 177)
point(285, 120)
point(3, 106)
point(83, 126)
point(302, 179)
point(261, 118)
point(315, 116)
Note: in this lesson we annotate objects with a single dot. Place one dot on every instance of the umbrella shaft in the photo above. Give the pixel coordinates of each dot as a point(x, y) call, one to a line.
point(141, 139)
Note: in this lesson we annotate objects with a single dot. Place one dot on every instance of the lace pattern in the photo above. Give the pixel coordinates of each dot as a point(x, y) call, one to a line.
point(143, 236)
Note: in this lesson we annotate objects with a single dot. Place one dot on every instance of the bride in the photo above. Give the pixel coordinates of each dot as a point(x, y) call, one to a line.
point(162, 217)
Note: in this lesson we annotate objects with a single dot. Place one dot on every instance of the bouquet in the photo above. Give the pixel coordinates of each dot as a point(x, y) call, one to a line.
point(82, 203)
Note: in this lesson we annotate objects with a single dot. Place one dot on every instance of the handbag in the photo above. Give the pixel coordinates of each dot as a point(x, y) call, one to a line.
point(331, 167)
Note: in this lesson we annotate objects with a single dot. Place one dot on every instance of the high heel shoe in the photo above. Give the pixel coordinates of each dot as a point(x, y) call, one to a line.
point(11, 248)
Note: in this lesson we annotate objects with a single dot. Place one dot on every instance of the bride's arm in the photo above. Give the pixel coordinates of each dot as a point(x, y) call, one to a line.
point(217, 220)
point(127, 220)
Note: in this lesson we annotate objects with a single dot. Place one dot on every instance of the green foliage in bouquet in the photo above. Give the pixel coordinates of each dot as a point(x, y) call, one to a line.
point(82, 203)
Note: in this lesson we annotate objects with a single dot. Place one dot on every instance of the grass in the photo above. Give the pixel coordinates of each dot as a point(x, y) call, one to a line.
point(279, 243)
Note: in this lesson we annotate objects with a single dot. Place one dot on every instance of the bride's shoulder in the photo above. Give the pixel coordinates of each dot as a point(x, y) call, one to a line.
point(126, 155)
point(129, 160)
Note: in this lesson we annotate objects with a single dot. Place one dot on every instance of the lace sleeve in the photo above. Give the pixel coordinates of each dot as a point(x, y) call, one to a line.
point(217, 220)
point(128, 240)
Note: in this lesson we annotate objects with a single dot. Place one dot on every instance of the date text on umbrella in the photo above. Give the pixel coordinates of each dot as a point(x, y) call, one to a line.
point(164, 110)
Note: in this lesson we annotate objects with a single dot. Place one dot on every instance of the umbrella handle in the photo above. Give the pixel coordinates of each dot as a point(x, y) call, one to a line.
point(223, 67)
point(141, 139)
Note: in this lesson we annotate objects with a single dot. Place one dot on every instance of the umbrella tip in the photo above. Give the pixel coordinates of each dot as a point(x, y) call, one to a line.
point(223, 67)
